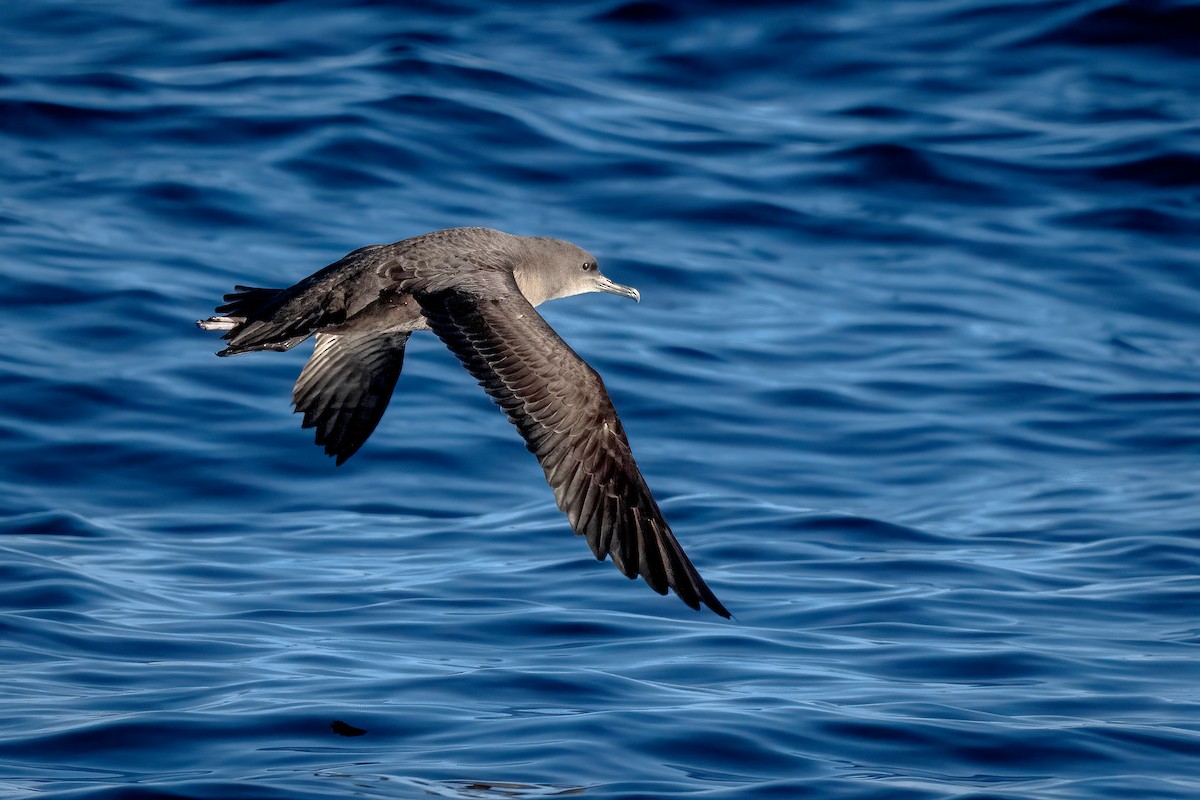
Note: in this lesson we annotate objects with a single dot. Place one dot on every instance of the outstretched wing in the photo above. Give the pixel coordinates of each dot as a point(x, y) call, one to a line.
point(346, 385)
point(560, 406)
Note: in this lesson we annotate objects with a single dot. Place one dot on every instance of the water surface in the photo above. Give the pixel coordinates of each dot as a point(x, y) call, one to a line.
point(914, 378)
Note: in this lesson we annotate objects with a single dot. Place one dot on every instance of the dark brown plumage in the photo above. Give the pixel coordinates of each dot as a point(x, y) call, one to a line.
point(476, 289)
point(345, 387)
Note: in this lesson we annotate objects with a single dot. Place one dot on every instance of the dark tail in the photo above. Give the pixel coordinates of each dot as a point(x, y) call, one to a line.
point(247, 317)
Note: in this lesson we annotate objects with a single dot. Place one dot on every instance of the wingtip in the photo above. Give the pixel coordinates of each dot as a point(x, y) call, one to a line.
point(706, 598)
point(709, 599)
point(718, 609)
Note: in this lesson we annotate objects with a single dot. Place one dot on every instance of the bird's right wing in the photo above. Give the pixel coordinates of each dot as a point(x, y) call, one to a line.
point(346, 385)
point(560, 406)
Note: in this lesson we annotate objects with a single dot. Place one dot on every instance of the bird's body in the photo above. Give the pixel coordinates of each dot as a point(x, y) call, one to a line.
point(476, 289)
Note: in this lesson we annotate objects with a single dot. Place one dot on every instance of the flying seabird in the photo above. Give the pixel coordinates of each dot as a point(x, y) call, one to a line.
point(475, 288)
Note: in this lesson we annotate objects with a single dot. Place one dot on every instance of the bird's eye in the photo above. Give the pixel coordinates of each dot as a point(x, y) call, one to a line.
point(588, 266)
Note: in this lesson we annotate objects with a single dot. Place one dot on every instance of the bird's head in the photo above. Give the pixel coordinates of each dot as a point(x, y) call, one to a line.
point(554, 268)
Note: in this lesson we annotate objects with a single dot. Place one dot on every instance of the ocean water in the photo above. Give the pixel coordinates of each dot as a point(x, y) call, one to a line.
point(915, 378)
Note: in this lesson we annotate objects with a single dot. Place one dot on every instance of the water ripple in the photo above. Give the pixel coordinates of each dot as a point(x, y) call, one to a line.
point(914, 379)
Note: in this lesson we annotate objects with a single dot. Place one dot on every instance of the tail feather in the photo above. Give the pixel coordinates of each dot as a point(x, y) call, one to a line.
point(247, 301)
point(246, 318)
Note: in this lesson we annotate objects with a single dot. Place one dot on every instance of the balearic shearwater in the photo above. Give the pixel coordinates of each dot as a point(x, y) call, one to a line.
point(475, 288)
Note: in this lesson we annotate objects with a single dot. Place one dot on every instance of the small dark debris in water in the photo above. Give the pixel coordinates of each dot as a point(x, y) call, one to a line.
point(342, 729)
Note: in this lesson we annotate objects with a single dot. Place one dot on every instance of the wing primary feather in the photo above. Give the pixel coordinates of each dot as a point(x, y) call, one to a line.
point(650, 562)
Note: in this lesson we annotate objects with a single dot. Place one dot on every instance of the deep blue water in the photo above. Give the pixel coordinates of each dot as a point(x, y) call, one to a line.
point(915, 379)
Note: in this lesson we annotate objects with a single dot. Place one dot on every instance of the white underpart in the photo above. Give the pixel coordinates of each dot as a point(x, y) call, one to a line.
point(219, 323)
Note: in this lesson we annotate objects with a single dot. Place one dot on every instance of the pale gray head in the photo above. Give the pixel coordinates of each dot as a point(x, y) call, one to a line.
point(553, 268)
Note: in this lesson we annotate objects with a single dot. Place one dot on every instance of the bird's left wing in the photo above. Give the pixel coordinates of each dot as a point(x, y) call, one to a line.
point(560, 406)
